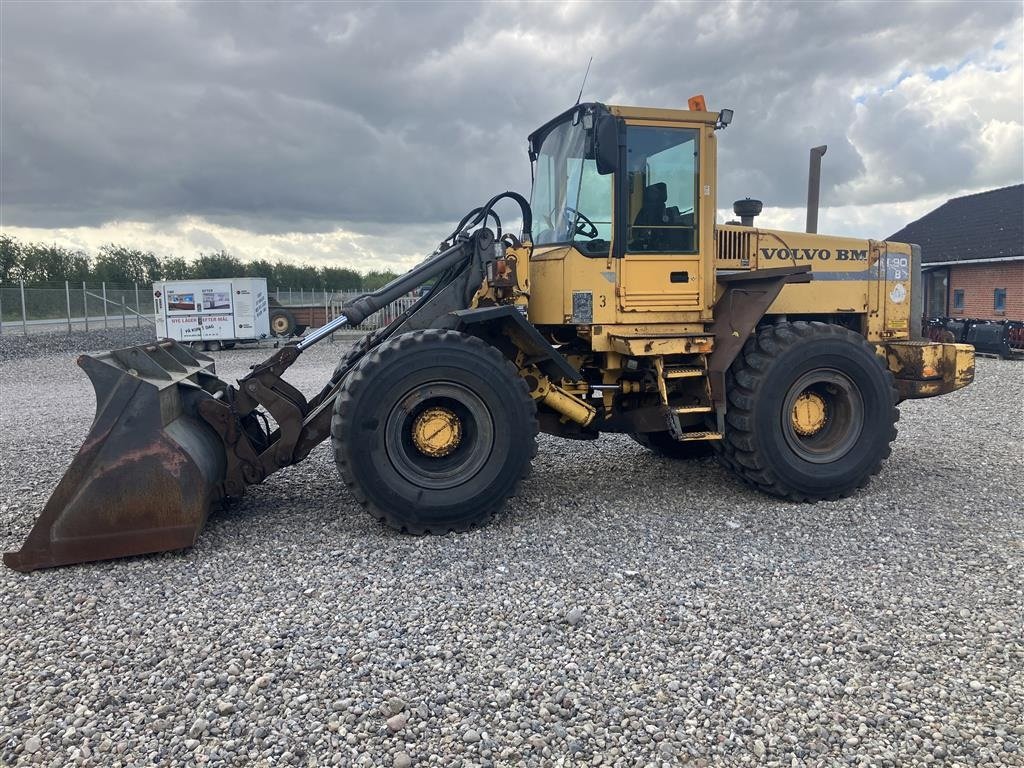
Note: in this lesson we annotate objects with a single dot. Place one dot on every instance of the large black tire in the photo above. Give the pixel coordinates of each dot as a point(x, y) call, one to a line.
point(812, 411)
point(282, 322)
point(663, 444)
point(378, 418)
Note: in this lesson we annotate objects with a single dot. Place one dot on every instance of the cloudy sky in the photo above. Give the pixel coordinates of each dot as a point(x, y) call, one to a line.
point(358, 134)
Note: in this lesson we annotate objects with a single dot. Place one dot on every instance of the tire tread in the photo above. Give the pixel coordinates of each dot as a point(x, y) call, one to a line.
point(739, 451)
point(344, 414)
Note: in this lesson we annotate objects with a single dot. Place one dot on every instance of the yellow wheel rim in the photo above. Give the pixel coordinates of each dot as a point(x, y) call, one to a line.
point(810, 414)
point(436, 432)
point(280, 323)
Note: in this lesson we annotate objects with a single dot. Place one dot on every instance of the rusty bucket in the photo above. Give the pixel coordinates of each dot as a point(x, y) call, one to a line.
point(149, 470)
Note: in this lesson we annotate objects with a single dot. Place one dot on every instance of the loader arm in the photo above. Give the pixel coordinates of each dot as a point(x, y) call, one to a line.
point(170, 439)
point(303, 425)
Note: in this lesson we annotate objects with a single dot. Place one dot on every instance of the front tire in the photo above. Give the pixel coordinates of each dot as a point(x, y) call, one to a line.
point(812, 411)
point(433, 430)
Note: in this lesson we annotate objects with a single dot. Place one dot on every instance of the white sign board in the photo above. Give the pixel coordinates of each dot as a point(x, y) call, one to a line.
point(208, 310)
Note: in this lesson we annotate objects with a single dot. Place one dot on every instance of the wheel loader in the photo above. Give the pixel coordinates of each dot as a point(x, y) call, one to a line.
point(621, 306)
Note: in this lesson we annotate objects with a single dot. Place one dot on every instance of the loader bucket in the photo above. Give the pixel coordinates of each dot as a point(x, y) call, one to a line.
point(149, 470)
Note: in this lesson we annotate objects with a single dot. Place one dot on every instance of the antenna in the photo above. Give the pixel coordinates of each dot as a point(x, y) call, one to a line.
point(584, 79)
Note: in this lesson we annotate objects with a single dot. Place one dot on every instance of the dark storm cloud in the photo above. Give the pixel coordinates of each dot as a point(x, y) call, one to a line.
point(290, 117)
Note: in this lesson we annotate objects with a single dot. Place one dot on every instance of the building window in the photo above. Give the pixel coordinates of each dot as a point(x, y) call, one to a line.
point(999, 300)
point(958, 299)
point(937, 292)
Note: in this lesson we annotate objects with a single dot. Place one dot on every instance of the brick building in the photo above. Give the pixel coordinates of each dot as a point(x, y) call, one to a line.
point(972, 255)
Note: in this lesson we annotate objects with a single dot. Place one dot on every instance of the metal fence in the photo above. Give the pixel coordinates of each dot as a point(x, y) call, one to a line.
point(300, 297)
point(378, 319)
point(70, 307)
point(73, 306)
point(322, 308)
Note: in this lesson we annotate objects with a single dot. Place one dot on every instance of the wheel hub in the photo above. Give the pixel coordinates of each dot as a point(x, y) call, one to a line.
point(436, 432)
point(280, 324)
point(810, 414)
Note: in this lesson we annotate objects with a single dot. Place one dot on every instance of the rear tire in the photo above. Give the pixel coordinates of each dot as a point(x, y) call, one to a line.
point(282, 322)
point(663, 444)
point(812, 411)
point(433, 430)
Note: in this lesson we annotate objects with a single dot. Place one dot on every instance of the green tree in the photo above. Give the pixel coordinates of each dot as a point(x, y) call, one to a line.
point(121, 264)
point(377, 279)
point(43, 263)
point(340, 279)
point(10, 258)
point(219, 264)
point(175, 268)
point(287, 275)
point(310, 278)
point(40, 262)
point(260, 268)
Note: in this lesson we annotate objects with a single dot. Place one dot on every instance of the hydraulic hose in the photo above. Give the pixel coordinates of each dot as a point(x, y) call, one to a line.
point(458, 251)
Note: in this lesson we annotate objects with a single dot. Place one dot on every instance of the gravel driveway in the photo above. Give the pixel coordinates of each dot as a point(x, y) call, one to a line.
point(623, 610)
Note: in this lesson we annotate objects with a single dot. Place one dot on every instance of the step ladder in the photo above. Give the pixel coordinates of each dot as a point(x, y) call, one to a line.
point(671, 373)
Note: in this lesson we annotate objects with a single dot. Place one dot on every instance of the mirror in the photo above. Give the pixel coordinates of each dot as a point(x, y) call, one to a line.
point(606, 144)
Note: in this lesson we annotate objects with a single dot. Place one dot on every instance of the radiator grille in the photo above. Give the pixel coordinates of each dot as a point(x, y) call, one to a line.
point(733, 245)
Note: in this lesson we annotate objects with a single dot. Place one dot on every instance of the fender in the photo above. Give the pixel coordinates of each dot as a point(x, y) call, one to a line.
point(546, 357)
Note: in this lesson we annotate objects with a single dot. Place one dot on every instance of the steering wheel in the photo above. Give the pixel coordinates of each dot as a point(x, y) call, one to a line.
point(584, 226)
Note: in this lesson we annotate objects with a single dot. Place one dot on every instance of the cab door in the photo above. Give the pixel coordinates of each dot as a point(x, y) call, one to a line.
point(660, 266)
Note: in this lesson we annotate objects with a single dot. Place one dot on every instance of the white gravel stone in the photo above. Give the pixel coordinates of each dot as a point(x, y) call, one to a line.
point(198, 728)
point(395, 705)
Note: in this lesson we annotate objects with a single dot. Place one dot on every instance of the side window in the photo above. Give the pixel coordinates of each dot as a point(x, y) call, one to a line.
point(593, 199)
point(958, 299)
point(663, 173)
point(999, 300)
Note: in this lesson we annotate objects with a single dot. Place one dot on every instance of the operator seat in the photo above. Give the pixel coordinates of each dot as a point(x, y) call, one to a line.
point(660, 228)
point(651, 214)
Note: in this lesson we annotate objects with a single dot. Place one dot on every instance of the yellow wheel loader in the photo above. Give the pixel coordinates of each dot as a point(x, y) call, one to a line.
point(621, 307)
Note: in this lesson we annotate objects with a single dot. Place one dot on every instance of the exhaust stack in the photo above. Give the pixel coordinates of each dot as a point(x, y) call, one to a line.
point(813, 187)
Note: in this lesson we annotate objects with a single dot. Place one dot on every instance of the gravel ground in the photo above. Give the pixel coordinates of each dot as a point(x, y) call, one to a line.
point(623, 610)
point(41, 344)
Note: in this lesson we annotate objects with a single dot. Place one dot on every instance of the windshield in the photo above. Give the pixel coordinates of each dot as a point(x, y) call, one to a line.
point(571, 202)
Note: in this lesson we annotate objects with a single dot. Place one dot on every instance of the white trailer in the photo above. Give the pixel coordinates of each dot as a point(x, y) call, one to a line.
point(212, 314)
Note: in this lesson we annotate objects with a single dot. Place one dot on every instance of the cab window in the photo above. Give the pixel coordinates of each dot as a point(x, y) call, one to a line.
point(663, 173)
point(571, 201)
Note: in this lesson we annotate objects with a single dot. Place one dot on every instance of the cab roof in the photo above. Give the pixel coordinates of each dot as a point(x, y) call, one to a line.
point(668, 115)
point(627, 113)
